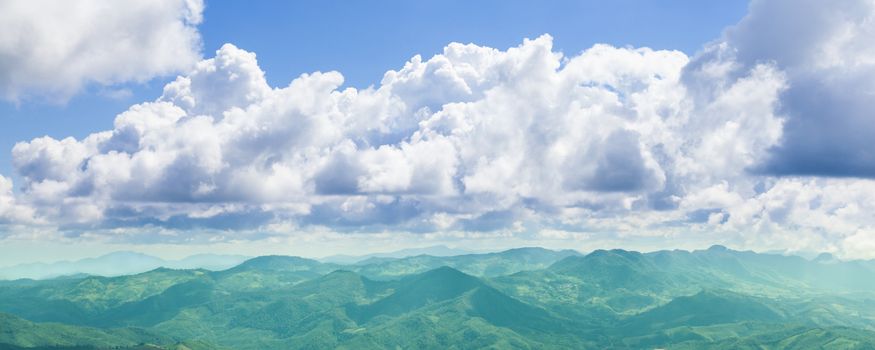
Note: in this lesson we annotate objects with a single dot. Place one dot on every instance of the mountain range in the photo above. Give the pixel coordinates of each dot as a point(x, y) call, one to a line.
point(127, 262)
point(527, 298)
point(117, 264)
point(437, 250)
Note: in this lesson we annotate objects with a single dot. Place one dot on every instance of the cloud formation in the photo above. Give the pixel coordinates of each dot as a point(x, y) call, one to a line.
point(10, 210)
point(636, 145)
point(474, 138)
point(53, 49)
point(826, 52)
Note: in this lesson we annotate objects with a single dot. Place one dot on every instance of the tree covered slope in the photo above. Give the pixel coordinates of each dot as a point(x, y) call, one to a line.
point(520, 299)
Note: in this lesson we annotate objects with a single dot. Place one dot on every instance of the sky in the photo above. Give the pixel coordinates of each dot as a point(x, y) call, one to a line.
point(330, 127)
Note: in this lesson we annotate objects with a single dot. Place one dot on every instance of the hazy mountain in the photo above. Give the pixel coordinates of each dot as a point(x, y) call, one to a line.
point(117, 264)
point(214, 262)
point(438, 250)
point(487, 264)
point(113, 264)
point(528, 298)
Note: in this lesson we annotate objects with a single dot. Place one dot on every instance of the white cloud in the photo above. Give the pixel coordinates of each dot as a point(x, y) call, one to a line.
point(54, 48)
point(612, 145)
point(500, 134)
point(10, 210)
point(800, 214)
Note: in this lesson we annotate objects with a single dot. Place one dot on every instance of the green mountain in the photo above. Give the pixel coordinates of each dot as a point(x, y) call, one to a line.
point(702, 309)
point(484, 265)
point(16, 332)
point(117, 264)
point(527, 298)
point(438, 250)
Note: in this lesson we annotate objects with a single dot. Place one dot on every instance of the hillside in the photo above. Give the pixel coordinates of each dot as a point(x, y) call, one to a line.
point(525, 298)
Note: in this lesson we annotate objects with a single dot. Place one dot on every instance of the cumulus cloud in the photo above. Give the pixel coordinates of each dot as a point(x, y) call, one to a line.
point(795, 213)
point(12, 212)
point(826, 51)
point(611, 144)
point(474, 138)
point(54, 48)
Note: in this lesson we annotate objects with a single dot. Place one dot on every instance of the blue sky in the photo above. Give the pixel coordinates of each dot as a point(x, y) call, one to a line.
point(586, 124)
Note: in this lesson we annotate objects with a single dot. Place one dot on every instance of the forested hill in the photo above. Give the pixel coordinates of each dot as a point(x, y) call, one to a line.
point(529, 298)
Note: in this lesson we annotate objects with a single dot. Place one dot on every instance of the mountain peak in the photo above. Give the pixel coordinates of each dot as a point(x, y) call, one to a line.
point(443, 278)
point(277, 262)
point(526, 250)
point(432, 286)
point(613, 253)
point(718, 248)
point(826, 258)
point(445, 272)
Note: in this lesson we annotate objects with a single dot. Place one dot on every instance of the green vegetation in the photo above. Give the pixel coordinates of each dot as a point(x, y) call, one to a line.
point(527, 298)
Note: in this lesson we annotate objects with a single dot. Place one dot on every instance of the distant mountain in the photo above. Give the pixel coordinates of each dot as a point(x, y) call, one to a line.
point(527, 298)
point(279, 263)
point(613, 269)
point(826, 258)
point(213, 262)
point(716, 267)
point(117, 264)
point(438, 250)
point(487, 264)
point(113, 264)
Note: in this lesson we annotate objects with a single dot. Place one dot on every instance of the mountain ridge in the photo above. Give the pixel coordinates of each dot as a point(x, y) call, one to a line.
point(117, 264)
point(520, 298)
